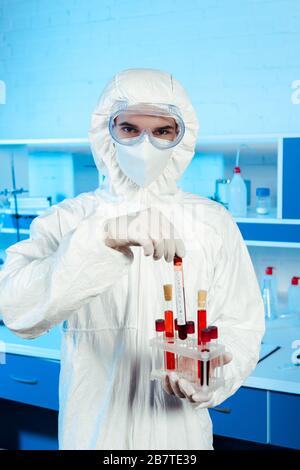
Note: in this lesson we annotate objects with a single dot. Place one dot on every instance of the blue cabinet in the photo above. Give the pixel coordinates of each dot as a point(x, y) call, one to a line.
point(290, 179)
point(286, 233)
point(243, 416)
point(285, 420)
point(30, 380)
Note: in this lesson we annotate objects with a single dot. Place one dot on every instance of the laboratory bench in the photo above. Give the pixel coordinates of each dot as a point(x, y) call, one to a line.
point(266, 410)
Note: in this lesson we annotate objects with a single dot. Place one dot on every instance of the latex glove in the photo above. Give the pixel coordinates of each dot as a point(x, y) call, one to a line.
point(149, 229)
point(182, 388)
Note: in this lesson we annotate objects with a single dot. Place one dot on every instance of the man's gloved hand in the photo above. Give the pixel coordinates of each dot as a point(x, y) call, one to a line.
point(182, 388)
point(149, 229)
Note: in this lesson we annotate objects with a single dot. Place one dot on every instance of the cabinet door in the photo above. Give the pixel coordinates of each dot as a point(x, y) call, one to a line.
point(30, 380)
point(285, 420)
point(242, 416)
point(290, 179)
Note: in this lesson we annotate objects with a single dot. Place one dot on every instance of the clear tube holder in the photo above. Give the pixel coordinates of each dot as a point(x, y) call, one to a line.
point(202, 367)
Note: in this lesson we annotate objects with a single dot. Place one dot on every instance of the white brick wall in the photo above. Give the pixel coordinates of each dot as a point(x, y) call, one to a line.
point(236, 58)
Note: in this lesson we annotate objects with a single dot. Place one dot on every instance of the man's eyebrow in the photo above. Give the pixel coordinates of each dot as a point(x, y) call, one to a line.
point(125, 123)
point(165, 127)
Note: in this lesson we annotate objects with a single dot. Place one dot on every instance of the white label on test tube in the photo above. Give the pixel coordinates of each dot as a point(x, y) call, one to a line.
point(179, 297)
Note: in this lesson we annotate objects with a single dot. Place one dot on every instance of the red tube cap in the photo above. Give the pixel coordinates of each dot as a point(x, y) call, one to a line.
point(237, 169)
point(160, 325)
point(295, 280)
point(213, 332)
point(190, 327)
point(205, 335)
point(182, 331)
point(177, 261)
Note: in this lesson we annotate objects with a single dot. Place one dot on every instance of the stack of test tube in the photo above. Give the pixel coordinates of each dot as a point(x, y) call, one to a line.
point(194, 353)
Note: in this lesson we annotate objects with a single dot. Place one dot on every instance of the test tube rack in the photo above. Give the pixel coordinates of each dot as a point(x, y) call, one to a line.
point(201, 366)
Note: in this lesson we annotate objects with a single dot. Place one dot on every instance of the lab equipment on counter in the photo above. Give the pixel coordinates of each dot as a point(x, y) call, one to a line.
point(222, 191)
point(263, 201)
point(237, 201)
point(269, 293)
point(294, 296)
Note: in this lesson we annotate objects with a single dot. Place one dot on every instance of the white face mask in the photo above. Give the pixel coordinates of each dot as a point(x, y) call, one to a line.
point(143, 162)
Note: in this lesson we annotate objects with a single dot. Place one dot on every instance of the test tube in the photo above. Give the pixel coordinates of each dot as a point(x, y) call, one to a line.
point(169, 326)
point(205, 365)
point(160, 328)
point(190, 329)
point(218, 361)
point(176, 328)
point(213, 334)
point(189, 362)
point(180, 298)
point(201, 320)
point(157, 357)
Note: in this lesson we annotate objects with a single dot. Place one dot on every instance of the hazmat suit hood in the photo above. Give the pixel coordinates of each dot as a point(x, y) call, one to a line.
point(141, 86)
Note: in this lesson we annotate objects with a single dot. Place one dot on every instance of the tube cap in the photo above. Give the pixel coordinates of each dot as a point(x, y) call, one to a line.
point(168, 291)
point(205, 335)
point(190, 327)
point(177, 261)
point(213, 332)
point(295, 280)
point(202, 298)
point(182, 331)
point(175, 324)
point(160, 325)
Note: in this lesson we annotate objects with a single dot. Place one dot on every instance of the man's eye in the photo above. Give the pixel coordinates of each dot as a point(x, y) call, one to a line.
point(162, 132)
point(128, 129)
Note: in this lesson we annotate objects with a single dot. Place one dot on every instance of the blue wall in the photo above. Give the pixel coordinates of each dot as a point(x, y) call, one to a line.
point(237, 59)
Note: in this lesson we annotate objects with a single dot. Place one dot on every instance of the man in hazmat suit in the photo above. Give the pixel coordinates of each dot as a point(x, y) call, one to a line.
point(107, 289)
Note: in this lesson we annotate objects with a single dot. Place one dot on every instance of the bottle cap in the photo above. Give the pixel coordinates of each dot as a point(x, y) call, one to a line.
point(295, 280)
point(190, 327)
point(213, 332)
point(205, 335)
point(269, 270)
point(263, 192)
point(168, 291)
point(236, 169)
point(160, 325)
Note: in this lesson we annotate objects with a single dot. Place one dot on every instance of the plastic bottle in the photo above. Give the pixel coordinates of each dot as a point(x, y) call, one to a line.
point(237, 200)
point(269, 293)
point(294, 295)
point(263, 201)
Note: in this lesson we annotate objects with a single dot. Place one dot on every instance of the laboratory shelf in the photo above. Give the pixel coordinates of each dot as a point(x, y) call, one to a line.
point(278, 151)
point(13, 231)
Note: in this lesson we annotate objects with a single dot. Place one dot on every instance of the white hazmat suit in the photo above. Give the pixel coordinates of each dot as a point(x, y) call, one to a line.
point(109, 301)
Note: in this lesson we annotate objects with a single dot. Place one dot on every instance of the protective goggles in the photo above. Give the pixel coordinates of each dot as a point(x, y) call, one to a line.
point(128, 125)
